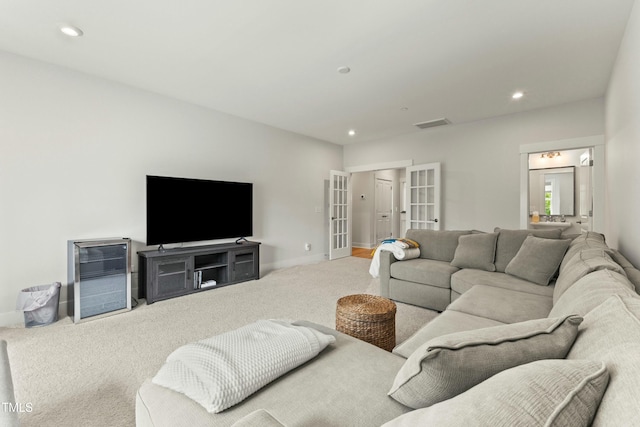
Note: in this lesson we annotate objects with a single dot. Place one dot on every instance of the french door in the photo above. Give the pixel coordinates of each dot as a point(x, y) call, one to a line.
point(339, 215)
point(423, 196)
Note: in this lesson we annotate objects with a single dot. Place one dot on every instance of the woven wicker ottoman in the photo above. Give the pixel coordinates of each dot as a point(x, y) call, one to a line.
point(368, 317)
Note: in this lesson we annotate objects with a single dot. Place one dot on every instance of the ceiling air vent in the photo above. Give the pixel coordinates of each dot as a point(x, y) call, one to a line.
point(432, 123)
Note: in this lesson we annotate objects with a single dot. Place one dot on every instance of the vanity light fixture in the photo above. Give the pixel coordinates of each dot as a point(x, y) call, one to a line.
point(71, 31)
point(550, 155)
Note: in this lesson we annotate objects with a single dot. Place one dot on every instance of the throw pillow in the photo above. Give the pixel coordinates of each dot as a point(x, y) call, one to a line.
point(222, 371)
point(476, 251)
point(610, 333)
point(451, 364)
point(553, 393)
point(510, 241)
point(538, 259)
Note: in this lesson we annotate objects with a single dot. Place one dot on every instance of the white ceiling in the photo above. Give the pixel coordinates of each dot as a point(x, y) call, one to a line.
point(276, 61)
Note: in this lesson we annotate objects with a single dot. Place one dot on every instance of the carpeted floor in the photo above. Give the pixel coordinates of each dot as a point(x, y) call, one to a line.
point(87, 374)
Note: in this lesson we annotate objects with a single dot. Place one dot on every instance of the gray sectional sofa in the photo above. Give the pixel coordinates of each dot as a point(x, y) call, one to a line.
point(8, 410)
point(509, 350)
point(445, 271)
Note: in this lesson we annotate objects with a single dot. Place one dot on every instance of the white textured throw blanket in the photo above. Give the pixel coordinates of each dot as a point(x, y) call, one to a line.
point(399, 251)
point(222, 371)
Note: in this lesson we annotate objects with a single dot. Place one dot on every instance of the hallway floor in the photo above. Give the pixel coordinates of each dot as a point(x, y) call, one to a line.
point(362, 252)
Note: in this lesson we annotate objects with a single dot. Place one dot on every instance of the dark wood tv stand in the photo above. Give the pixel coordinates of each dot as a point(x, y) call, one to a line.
point(170, 273)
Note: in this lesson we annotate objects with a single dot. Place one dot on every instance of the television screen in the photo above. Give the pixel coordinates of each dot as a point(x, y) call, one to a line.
point(189, 210)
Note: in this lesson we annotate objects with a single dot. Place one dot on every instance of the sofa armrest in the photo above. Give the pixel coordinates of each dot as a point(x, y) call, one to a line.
point(386, 259)
point(8, 415)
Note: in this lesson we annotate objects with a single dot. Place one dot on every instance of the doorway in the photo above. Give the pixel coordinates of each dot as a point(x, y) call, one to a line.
point(376, 206)
point(586, 156)
point(384, 209)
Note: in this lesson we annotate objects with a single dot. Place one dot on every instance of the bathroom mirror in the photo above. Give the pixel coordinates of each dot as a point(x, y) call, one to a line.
point(551, 191)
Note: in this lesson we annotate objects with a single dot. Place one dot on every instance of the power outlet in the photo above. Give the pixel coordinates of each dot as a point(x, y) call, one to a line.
point(307, 246)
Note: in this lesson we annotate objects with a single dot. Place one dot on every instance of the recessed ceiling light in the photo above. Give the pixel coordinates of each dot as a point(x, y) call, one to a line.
point(71, 31)
point(517, 95)
point(344, 70)
point(352, 132)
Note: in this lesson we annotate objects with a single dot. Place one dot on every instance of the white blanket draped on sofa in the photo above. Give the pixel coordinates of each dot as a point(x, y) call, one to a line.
point(400, 249)
point(223, 370)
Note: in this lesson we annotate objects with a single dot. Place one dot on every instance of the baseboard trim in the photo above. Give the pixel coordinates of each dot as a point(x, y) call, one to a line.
point(266, 268)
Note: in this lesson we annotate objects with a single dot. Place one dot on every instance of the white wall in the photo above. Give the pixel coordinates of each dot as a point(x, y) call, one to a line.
point(623, 145)
point(481, 160)
point(74, 152)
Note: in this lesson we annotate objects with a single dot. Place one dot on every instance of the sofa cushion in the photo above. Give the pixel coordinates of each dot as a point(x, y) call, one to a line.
point(476, 251)
point(7, 397)
point(581, 264)
point(610, 333)
point(259, 418)
point(591, 291)
point(502, 305)
point(438, 245)
point(509, 242)
point(451, 364)
point(424, 271)
point(431, 297)
point(449, 321)
point(589, 240)
point(465, 279)
point(554, 393)
point(324, 392)
point(538, 259)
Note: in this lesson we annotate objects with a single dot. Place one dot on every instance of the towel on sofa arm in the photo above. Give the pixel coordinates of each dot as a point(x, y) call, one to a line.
point(400, 250)
point(223, 370)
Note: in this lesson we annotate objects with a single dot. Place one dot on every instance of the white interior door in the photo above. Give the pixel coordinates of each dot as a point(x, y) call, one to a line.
point(383, 212)
point(340, 215)
point(423, 197)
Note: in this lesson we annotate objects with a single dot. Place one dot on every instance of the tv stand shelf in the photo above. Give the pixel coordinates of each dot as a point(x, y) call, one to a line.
point(172, 273)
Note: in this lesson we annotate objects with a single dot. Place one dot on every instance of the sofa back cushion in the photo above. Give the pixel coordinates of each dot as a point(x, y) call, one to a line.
point(591, 291)
point(589, 240)
point(610, 333)
point(510, 241)
point(439, 245)
point(633, 274)
point(581, 264)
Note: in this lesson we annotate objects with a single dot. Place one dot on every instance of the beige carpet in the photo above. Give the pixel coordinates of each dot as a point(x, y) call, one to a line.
point(87, 374)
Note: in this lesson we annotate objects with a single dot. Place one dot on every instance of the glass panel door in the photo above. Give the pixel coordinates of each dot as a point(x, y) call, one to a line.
point(339, 210)
point(423, 196)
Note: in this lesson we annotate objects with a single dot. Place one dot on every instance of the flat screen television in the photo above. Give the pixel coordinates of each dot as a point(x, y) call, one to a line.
point(189, 210)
